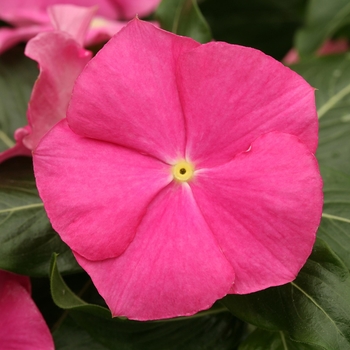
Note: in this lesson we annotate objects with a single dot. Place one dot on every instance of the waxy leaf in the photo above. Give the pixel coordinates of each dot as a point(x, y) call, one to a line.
point(27, 239)
point(183, 17)
point(313, 309)
point(215, 328)
point(323, 19)
point(331, 77)
point(335, 224)
point(17, 76)
point(268, 25)
point(262, 340)
point(70, 336)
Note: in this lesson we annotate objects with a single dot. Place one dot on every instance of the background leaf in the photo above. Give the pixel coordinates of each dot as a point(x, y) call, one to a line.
point(331, 77)
point(268, 25)
point(263, 340)
point(17, 76)
point(313, 309)
point(183, 17)
point(70, 336)
point(213, 329)
point(323, 19)
point(27, 239)
point(335, 224)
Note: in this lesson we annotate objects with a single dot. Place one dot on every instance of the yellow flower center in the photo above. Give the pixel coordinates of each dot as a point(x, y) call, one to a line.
point(183, 171)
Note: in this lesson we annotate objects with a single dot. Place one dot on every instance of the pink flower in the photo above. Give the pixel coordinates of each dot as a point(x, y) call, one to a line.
point(30, 17)
point(21, 324)
point(61, 58)
point(183, 172)
point(329, 47)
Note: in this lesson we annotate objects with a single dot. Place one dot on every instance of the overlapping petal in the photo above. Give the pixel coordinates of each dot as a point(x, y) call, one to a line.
point(128, 94)
point(21, 324)
point(30, 17)
point(256, 94)
point(12, 36)
point(131, 8)
point(61, 59)
point(23, 12)
point(95, 193)
point(264, 208)
point(72, 19)
point(174, 266)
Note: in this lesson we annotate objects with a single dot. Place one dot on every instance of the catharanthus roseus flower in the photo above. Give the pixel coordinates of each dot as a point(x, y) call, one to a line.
point(183, 172)
point(30, 17)
point(21, 324)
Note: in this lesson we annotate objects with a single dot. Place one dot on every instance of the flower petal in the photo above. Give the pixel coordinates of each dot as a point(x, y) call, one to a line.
point(173, 267)
point(19, 149)
point(131, 8)
point(95, 193)
point(244, 92)
point(10, 37)
point(21, 324)
point(24, 12)
point(74, 20)
point(127, 94)
point(101, 30)
point(61, 59)
point(264, 208)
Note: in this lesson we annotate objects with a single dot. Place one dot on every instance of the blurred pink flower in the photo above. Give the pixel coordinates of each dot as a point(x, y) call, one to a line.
point(328, 48)
point(30, 17)
point(61, 58)
point(183, 172)
point(21, 324)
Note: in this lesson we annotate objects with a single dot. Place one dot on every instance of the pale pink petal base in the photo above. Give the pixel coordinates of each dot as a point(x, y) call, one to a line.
point(232, 94)
point(95, 193)
point(173, 267)
point(21, 324)
point(101, 30)
point(264, 208)
point(71, 19)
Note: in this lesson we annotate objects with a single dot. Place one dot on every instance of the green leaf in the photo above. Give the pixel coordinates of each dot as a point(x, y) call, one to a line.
point(313, 309)
point(215, 328)
point(262, 340)
point(323, 19)
point(17, 76)
point(183, 17)
point(335, 224)
point(27, 239)
point(70, 336)
point(331, 77)
point(268, 25)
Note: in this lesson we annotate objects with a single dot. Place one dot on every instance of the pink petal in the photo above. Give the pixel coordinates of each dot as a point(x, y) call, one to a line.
point(10, 37)
point(21, 324)
point(72, 19)
point(101, 30)
point(24, 12)
point(24, 281)
point(173, 267)
point(61, 59)
point(130, 8)
point(95, 193)
point(134, 101)
point(264, 208)
point(232, 94)
point(19, 149)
